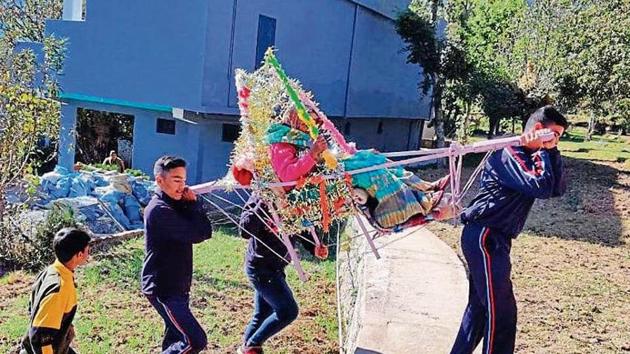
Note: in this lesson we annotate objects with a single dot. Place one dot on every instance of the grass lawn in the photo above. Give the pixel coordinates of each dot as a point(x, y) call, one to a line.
point(571, 265)
point(113, 316)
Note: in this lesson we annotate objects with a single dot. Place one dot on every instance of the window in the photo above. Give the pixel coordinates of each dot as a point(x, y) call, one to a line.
point(165, 126)
point(266, 37)
point(230, 133)
point(379, 130)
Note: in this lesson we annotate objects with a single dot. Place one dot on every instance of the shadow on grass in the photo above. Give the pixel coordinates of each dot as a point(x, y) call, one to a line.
point(593, 209)
point(590, 211)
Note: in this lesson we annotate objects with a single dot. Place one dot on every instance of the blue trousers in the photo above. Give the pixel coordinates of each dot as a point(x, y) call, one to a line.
point(182, 332)
point(274, 306)
point(491, 311)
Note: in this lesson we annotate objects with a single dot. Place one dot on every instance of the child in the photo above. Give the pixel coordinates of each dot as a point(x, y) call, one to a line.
point(292, 154)
point(513, 178)
point(53, 301)
point(274, 305)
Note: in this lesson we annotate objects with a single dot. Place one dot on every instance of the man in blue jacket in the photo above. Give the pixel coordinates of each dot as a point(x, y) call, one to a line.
point(174, 220)
point(513, 178)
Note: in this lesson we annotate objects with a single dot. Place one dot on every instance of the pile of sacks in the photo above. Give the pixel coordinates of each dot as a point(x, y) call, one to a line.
point(122, 195)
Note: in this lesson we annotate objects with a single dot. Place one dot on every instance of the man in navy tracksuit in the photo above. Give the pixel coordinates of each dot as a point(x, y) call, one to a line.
point(513, 178)
point(174, 221)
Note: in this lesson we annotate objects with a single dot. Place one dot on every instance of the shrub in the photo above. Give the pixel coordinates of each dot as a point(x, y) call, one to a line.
point(19, 250)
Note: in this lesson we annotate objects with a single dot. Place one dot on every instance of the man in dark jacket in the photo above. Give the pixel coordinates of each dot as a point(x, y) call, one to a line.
point(267, 256)
point(513, 178)
point(174, 220)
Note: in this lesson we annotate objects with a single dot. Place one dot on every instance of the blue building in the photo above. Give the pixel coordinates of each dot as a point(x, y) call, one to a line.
point(165, 69)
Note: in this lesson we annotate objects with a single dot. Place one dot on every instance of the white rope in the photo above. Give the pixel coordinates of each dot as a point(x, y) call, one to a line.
point(473, 177)
point(262, 219)
point(247, 231)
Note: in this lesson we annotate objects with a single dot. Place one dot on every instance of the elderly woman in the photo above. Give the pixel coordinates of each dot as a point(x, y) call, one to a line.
point(293, 153)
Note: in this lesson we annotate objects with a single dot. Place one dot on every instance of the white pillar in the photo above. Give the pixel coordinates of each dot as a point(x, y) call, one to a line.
point(72, 10)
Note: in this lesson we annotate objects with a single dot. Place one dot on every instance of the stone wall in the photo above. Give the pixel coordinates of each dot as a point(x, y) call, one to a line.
point(351, 259)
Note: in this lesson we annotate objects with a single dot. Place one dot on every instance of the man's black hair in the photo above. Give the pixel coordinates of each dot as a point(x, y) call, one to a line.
point(546, 115)
point(167, 163)
point(68, 242)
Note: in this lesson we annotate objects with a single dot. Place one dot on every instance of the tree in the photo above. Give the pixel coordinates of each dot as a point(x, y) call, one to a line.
point(595, 67)
point(28, 112)
point(417, 28)
point(26, 19)
point(443, 63)
point(24, 119)
point(489, 34)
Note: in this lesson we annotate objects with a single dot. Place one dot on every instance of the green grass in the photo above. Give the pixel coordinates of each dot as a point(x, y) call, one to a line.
point(113, 316)
point(608, 147)
point(611, 148)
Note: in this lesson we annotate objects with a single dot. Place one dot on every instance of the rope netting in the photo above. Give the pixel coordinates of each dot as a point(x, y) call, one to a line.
point(271, 103)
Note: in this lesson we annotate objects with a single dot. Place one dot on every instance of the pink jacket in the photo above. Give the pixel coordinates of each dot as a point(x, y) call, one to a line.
point(287, 165)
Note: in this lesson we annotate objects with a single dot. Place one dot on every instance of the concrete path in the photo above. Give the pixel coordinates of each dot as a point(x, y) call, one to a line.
point(414, 296)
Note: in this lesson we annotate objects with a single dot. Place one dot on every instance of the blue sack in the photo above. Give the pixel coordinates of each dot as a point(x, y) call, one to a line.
point(132, 209)
point(112, 200)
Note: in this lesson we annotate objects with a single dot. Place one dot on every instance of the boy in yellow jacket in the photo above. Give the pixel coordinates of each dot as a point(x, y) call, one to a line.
point(54, 297)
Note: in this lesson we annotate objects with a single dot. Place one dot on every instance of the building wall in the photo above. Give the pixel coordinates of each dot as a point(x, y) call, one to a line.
point(214, 153)
point(313, 41)
point(148, 145)
point(394, 135)
point(389, 8)
point(348, 55)
point(381, 83)
point(148, 51)
point(183, 54)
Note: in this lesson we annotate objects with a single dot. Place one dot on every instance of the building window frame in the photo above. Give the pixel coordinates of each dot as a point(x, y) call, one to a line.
point(166, 126)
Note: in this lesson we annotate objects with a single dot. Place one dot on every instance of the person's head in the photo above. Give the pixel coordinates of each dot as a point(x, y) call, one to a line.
point(293, 119)
point(71, 247)
point(547, 117)
point(170, 175)
point(360, 196)
point(113, 154)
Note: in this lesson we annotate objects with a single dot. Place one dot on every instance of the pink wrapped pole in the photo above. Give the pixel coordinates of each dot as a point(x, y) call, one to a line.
point(367, 237)
point(295, 259)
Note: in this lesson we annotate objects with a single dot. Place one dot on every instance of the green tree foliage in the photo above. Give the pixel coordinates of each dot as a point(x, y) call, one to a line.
point(417, 28)
point(594, 59)
point(28, 112)
point(26, 19)
point(444, 66)
point(510, 57)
